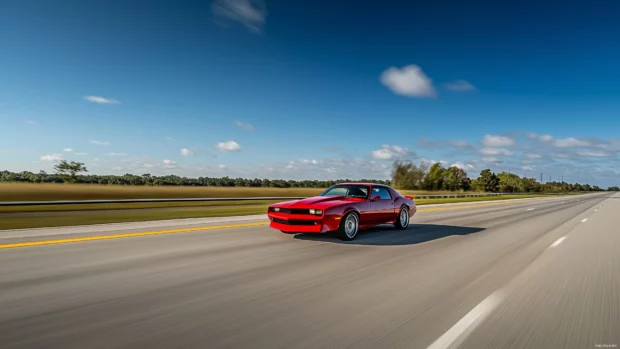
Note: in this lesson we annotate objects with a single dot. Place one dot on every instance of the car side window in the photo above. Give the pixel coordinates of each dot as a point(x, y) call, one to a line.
point(383, 193)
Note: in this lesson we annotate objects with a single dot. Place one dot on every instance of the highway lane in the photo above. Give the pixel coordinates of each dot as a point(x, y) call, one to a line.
point(475, 275)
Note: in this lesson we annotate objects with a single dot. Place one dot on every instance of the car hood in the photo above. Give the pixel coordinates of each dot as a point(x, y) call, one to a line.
point(319, 202)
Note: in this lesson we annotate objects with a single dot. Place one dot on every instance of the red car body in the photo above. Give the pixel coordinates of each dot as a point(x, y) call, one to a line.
point(295, 217)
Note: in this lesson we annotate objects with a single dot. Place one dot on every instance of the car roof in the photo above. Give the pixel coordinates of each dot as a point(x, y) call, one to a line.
point(366, 184)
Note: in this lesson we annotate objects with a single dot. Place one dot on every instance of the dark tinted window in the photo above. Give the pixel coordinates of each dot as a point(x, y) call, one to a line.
point(382, 192)
point(357, 191)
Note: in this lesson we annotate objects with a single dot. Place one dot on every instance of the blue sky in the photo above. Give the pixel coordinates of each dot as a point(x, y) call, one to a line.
point(310, 89)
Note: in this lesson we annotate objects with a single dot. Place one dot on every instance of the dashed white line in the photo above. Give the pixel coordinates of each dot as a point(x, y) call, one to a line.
point(595, 210)
point(529, 209)
point(558, 241)
point(562, 202)
point(584, 220)
point(457, 334)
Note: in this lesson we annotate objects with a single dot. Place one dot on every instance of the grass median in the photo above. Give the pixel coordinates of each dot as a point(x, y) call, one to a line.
point(19, 217)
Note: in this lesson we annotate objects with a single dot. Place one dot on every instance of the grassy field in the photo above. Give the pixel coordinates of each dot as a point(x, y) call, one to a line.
point(49, 192)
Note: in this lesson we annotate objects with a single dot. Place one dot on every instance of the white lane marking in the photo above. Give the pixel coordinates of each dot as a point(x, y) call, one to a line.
point(529, 209)
point(457, 333)
point(595, 210)
point(584, 220)
point(562, 202)
point(558, 241)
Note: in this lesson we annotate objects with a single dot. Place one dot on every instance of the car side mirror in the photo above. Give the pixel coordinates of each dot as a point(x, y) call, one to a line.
point(375, 198)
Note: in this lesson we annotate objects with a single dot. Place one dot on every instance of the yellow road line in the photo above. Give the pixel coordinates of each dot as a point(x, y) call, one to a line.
point(128, 235)
point(213, 227)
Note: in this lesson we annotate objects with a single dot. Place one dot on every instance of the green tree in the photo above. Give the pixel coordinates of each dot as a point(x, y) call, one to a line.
point(456, 179)
point(510, 183)
point(488, 181)
point(435, 177)
point(407, 175)
point(69, 170)
point(530, 185)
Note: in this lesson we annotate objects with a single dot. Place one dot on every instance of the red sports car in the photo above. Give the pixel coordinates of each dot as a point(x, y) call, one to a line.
point(345, 209)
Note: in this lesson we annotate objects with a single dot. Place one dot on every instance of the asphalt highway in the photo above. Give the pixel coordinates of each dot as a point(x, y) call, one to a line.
point(532, 273)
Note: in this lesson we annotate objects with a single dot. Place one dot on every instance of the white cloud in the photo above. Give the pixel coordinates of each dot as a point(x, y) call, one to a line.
point(100, 143)
point(51, 157)
point(459, 85)
point(117, 168)
point(244, 125)
point(251, 13)
point(528, 168)
point(458, 165)
point(80, 154)
point(228, 146)
point(498, 141)
point(495, 151)
point(388, 152)
point(68, 150)
point(613, 145)
point(307, 161)
point(187, 152)
point(101, 100)
point(491, 160)
point(571, 142)
point(410, 81)
point(544, 138)
point(596, 154)
point(222, 166)
point(463, 166)
point(31, 122)
point(116, 154)
point(168, 138)
point(170, 164)
point(533, 156)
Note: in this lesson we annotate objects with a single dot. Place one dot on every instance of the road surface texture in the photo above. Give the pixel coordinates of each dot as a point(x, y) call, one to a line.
point(535, 273)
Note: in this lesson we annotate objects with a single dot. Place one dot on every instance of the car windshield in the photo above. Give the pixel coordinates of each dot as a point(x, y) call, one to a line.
point(358, 191)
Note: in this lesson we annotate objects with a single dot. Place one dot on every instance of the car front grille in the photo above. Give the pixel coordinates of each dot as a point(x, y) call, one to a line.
point(293, 210)
point(294, 222)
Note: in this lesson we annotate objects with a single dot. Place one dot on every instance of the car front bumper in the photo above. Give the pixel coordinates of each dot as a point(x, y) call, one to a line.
point(302, 223)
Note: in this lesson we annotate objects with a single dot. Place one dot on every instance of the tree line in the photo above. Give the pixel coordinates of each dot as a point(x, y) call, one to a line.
point(411, 176)
point(405, 175)
point(70, 172)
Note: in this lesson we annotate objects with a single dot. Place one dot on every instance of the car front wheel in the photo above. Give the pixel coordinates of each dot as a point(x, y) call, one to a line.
point(402, 222)
point(349, 227)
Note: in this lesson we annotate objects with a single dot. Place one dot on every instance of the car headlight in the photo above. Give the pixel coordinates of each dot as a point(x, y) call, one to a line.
point(316, 212)
point(276, 209)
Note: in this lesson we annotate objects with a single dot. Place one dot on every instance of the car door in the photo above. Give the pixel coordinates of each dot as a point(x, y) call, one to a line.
point(382, 205)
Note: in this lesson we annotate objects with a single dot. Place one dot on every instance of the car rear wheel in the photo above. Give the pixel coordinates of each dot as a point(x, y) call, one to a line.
point(349, 227)
point(402, 221)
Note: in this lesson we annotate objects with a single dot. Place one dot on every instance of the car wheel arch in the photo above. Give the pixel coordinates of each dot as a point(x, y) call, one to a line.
point(349, 210)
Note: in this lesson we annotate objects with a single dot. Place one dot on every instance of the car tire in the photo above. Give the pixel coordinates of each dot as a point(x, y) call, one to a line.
point(349, 227)
point(402, 221)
